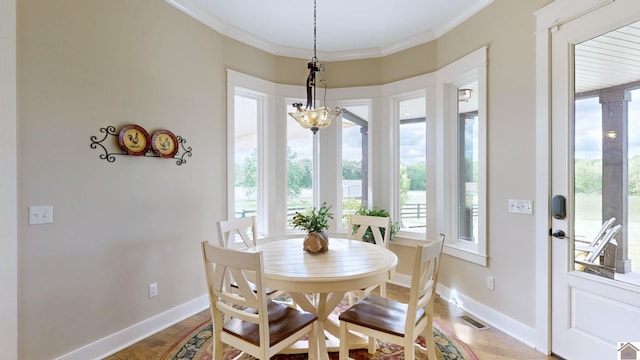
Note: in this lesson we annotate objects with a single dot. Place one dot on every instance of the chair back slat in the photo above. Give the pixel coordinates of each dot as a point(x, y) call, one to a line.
point(237, 233)
point(237, 313)
point(377, 224)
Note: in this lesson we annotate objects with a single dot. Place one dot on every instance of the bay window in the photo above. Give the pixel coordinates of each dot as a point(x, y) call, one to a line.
point(415, 147)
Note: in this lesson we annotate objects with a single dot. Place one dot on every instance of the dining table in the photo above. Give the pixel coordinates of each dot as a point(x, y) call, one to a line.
point(318, 282)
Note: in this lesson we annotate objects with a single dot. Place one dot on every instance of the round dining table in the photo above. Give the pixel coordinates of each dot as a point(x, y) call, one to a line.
point(318, 282)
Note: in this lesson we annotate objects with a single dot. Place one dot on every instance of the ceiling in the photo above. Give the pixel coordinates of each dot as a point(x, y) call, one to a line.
point(608, 60)
point(346, 30)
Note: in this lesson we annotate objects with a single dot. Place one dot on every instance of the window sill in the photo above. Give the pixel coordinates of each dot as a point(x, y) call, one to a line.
point(407, 242)
point(411, 235)
point(465, 252)
point(458, 250)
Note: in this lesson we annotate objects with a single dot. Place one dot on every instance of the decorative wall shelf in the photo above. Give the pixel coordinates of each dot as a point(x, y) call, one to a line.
point(111, 156)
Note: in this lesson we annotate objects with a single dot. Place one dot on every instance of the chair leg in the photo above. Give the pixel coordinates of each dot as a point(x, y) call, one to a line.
point(218, 346)
point(409, 349)
point(344, 341)
point(372, 345)
point(428, 339)
point(217, 329)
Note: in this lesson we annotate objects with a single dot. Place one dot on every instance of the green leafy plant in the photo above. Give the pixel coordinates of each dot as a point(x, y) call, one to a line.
point(312, 219)
point(376, 211)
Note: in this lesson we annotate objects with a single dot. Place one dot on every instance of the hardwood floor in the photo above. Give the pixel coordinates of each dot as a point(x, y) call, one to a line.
point(489, 344)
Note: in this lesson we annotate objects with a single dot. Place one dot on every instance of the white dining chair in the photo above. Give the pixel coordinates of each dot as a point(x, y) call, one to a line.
point(379, 229)
point(244, 317)
point(241, 233)
point(238, 233)
point(395, 322)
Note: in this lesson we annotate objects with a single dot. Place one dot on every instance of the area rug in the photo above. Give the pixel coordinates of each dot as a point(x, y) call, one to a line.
point(197, 345)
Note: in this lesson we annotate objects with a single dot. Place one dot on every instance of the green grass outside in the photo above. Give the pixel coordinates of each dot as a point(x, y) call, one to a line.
point(588, 215)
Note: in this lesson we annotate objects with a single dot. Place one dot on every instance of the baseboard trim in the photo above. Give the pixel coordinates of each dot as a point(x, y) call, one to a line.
point(495, 319)
point(126, 337)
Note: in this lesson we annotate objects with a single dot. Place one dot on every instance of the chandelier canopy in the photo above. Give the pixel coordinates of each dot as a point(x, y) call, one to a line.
point(311, 116)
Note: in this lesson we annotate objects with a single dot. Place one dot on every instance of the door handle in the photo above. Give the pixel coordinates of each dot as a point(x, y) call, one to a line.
point(558, 234)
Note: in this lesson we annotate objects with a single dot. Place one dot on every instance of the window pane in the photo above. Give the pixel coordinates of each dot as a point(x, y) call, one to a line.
point(468, 161)
point(355, 129)
point(588, 166)
point(245, 155)
point(413, 163)
point(299, 169)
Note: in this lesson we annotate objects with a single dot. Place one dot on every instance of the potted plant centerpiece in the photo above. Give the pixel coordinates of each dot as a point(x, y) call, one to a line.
point(314, 222)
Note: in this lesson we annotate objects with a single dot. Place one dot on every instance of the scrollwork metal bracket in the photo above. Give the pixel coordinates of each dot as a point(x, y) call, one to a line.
point(111, 156)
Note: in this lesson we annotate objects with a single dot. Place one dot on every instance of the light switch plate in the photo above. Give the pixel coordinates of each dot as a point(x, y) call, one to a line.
point(521, 207)
point(41, 214)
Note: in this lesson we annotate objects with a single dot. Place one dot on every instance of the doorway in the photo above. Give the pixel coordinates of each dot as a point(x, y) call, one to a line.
point(594, 305)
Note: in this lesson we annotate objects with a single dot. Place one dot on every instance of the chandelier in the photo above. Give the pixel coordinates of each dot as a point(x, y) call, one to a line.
point(311, 116)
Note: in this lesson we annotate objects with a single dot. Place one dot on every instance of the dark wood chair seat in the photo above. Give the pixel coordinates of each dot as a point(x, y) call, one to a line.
point(380, 314)
point(284, 321)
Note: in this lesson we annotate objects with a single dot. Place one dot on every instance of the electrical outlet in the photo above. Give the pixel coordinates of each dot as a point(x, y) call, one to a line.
point(491, 282)
point(153, 290)
point(41, 214)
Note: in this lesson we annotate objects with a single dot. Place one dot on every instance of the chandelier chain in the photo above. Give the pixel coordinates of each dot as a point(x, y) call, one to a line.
point(315, 57)
point(311, 116)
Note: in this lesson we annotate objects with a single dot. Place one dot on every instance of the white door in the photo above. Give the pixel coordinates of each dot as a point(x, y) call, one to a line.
point(592, 313)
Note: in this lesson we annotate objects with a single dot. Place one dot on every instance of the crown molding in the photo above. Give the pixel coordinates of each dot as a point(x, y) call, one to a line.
point(190, 8)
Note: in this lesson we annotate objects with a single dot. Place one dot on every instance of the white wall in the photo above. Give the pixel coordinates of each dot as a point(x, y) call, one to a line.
point(8, 233)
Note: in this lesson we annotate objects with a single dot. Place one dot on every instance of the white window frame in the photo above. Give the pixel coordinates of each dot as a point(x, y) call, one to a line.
point(273, 113)
point(470, 68)
point(339, 211)
point(261, 99)
point(397, 210)
point(385, 134)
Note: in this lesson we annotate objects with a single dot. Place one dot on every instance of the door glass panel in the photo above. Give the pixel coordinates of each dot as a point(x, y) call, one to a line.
point(606, 155)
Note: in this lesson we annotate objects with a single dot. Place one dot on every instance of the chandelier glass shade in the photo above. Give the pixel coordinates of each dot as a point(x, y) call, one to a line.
point(313, 117)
